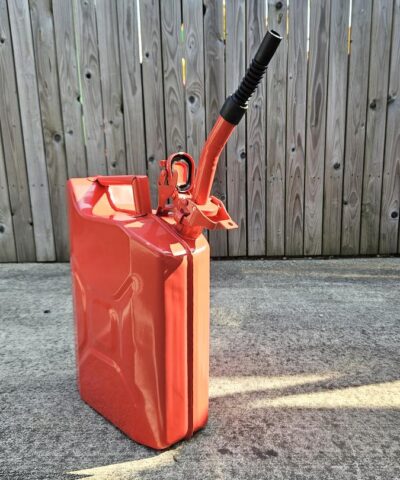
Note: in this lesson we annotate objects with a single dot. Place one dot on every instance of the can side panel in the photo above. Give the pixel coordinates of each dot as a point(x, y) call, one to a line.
point(130, 315)
point(104, 313)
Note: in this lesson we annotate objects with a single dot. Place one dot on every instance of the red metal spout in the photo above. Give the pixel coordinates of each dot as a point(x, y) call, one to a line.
point(193, 208)
point(209, 157)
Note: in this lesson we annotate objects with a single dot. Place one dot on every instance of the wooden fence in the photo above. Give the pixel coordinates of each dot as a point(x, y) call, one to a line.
point(314, 169)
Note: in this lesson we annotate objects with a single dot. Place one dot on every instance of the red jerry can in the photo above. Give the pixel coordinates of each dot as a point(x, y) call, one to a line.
point(141, 284)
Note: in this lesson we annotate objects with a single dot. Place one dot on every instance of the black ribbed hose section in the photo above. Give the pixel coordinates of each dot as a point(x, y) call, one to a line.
point(235, 106)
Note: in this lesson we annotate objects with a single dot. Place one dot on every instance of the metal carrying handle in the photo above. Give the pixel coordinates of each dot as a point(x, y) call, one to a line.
point(116, 180)
point(140, 188)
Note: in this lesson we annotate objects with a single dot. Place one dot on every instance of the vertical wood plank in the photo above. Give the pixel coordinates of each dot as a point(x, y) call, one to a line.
point(295, 125)
point(316, 123)
point(355, 125)
point(276, 133)
point(69, 88)
point(174, 101)
point(376, 123)
point(89, 69)
point(132, 92)
point(236, 148)
point(14, 155)
point(335, 126)
point(8, 252)
point(153, 89)
point(256, 138)
point(391, 173)
point(214, 51)
point(52, 126)
point(111, 89)
point(21, 33)
point(194, 88)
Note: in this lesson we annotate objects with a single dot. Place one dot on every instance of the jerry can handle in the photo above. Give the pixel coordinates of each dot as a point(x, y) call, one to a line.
point(141, 191)
point(109, 181)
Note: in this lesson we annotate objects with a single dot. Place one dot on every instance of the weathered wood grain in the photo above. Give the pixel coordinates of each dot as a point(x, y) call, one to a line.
point(276, 133)
point(335, 126)
point(214, 51)
point(111, 88)
point(69, 88)
point(194, 88)
point(295, 128)
point(316, 125)
point(376, 122)
point(236, 148)
point(256, 122)
point(153, 89)
point(21, 33)
point(355, 125)
point(8, 251)
point(14, 155)
point(174, 100)
point(391, 174)
point(89, 69)
point(52, 126)
point(314, 172)
point(132, 92)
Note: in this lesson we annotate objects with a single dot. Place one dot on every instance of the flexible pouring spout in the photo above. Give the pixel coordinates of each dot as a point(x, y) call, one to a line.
point(231, 113)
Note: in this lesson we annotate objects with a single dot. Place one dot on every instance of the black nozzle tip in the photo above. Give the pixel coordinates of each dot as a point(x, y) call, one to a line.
point(268, 47)
point(235, 106)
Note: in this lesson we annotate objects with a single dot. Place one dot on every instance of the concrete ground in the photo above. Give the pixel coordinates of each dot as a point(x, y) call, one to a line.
point(305, 378)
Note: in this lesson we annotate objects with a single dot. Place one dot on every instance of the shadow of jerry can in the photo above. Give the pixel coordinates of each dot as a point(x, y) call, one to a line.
point(141, 284)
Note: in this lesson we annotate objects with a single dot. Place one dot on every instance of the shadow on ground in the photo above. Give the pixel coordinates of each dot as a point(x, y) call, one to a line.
point(305, 369)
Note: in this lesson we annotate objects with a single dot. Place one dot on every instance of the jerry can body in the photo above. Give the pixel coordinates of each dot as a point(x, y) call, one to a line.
point(141, 301)
point(141, 283)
